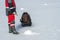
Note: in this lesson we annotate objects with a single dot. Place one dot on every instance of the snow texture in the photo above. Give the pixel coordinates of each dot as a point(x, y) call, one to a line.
point(45, 15)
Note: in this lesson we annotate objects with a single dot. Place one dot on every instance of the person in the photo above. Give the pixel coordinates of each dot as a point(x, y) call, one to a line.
point(10, 13)
point(25, 19)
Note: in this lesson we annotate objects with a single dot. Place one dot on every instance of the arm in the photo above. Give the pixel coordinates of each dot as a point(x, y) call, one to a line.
point(15, 11)
point(6, 4)
point(13, 3)
point(21, 20)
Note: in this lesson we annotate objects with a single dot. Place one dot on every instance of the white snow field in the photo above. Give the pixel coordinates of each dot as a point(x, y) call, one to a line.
point(45, 15)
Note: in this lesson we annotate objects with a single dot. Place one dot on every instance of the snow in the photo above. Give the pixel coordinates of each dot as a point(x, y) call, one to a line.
point(45, 15)
point(29, 32)
point(22, 8)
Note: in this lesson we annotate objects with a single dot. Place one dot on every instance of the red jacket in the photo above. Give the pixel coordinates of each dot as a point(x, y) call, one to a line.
point(7, 5)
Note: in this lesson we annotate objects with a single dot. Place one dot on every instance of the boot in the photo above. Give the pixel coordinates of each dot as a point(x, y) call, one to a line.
point(10, 29)
point(14, 30)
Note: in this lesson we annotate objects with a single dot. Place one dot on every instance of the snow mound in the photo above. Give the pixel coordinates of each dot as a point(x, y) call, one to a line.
point(22, 8)
point(29, 32)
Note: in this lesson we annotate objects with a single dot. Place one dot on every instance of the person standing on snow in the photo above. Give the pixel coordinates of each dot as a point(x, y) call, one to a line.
point(10, 13)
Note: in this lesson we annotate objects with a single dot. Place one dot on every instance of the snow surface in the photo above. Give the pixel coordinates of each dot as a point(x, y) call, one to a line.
point(29, 32)
point(45, 15)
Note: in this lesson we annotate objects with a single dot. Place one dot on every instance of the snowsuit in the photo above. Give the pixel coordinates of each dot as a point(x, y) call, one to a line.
point(10, 9)
point(10, 13)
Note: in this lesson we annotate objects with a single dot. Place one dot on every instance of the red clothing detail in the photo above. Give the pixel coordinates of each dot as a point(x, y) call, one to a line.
point(7, 5)
point(11, 18)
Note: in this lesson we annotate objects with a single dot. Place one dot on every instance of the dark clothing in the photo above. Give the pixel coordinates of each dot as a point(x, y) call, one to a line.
point(11, 7)
point(27, 18)
point(10, 11)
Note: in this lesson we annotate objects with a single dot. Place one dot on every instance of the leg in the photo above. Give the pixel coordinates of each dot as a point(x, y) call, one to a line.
point(30, 24)
point(13, 27)
point(10, 29)
point(11, 20)
point(9, 23)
